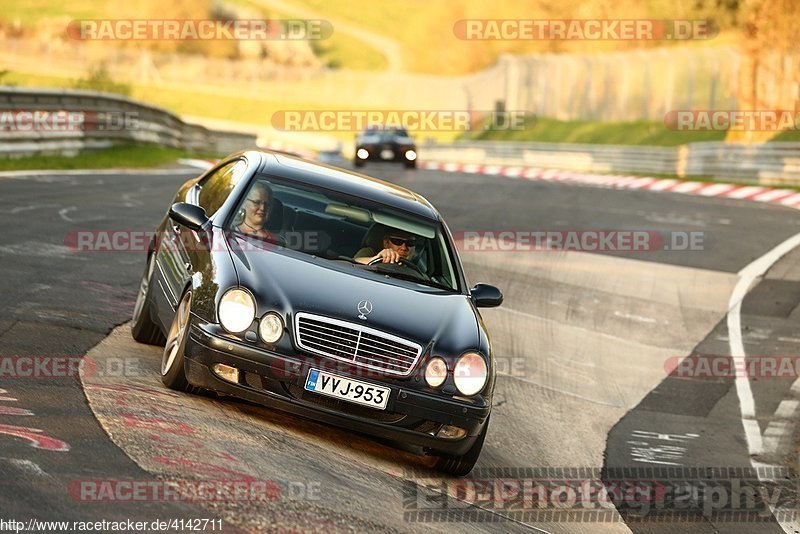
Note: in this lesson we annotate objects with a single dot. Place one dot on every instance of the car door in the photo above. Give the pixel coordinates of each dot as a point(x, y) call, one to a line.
point(180, 244)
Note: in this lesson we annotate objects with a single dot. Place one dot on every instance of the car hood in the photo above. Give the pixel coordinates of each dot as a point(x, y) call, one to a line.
point(288, 282)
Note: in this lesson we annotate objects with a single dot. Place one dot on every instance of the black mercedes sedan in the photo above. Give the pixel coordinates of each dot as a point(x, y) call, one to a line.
point(385, 144)
point(324, 293)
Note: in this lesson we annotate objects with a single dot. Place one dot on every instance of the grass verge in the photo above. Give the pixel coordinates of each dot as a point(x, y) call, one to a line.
point(542, 130)
point(136, 156)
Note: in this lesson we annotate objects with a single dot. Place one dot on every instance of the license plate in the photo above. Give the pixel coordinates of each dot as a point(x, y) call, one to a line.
point(387, 154)
point(347, 389)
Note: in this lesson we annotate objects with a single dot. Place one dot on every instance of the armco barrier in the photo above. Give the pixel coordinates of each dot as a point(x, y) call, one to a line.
point(106, 115)
point(766, 163)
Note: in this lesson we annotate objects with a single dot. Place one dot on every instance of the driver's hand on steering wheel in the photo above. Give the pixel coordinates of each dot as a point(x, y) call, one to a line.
point(387, 255)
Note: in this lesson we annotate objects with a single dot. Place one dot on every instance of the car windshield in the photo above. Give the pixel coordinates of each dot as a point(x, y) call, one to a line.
point(386, 134)
point(345, 229)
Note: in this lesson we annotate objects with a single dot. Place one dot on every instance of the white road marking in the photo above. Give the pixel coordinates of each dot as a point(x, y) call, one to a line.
point(553, 321)
point(27, 466)
point(786, 409)
point(557, 390)
point(637, 318)
point(672, 219)
point(752, 431)
point(645, 447)
point(63, 213)
point(44, 250)
point(130, 202)
point(20, 209)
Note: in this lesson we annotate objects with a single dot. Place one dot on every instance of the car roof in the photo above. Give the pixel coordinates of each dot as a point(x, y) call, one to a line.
point(348, 182)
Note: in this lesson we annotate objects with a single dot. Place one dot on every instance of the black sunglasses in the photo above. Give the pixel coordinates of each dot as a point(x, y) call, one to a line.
point(398, 241)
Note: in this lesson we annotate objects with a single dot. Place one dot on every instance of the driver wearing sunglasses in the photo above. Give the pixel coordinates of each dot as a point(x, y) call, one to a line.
point(398, 247)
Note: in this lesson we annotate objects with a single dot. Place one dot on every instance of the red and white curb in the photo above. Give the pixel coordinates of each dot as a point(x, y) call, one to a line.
point(783, 197)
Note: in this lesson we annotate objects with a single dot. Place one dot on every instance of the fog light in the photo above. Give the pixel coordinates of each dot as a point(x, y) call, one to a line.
point(411, 155)
point(451, 432)
point(362, 153)
point(226, 372)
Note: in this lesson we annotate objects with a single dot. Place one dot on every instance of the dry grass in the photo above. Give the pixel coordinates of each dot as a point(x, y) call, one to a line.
point(425, 27)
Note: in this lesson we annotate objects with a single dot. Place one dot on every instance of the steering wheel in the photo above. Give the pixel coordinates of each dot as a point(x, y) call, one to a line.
point(399, 266)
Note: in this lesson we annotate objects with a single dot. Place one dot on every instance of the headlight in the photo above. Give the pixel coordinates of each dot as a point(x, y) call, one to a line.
point(470, 373)
point(236, 310)
point(435, 372)
point(362, 153)
point(411, 155)
point(270, 328)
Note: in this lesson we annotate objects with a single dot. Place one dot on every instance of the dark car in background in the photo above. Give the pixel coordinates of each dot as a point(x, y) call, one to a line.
point(283, 314)
point(385, 144)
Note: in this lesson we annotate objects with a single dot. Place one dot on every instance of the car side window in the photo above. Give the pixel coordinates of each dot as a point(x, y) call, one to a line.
point(216, 188)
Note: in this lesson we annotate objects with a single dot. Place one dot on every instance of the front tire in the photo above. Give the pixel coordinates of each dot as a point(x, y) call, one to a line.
point(172, 369)
point(358, 162)
point(143, 329)
point(461, 465)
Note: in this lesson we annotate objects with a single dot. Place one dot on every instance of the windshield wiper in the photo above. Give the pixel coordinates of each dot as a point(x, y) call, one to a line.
point(412, 278)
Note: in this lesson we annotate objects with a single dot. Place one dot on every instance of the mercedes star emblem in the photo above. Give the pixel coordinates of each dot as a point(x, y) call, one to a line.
point(364, 307)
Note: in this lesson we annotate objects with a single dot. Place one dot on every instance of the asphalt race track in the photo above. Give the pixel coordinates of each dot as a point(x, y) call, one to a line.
point(586, 344)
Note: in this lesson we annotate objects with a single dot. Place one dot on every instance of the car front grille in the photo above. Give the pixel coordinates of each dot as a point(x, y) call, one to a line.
point(362, 346)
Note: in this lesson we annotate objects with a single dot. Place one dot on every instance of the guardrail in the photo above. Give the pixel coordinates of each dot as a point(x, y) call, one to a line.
point(767, 163)
point(66, 121)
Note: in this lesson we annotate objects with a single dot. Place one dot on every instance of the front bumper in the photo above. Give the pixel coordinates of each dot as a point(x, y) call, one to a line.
point(398, 154)
point(276, 380)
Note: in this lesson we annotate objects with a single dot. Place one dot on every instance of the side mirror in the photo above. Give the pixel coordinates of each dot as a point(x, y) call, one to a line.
point(189, 215)
point(486, 296)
